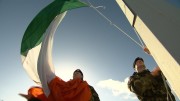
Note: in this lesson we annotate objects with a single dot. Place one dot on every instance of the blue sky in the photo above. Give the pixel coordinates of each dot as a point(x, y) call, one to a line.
point(84, 40)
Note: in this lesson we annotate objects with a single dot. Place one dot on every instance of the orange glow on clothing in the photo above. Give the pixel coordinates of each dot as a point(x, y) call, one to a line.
point(73, 90)
point(37, 92)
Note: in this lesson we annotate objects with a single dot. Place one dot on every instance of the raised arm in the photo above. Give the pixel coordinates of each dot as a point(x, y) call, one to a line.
point(156, 71)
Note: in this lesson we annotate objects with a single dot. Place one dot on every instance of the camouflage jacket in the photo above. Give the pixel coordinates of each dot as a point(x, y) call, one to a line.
point(148, 87)
point(94, 96)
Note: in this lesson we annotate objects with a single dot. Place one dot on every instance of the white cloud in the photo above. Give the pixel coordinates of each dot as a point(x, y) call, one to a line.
point(118, 88)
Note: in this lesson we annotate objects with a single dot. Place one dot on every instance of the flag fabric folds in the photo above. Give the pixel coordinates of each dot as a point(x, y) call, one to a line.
point(37, 42)
point(73, 90)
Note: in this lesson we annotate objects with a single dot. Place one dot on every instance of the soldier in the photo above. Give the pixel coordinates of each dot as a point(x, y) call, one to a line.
point(78, 74)
point(149, 86)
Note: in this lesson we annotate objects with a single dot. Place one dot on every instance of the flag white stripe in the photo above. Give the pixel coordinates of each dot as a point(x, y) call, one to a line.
point(45, 65)
point(30, 63)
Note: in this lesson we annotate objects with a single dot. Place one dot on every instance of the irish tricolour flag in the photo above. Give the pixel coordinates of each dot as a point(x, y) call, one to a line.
point(36, 46)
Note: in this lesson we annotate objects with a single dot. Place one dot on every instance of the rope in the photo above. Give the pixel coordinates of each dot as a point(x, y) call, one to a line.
point(166, 86)
point(111, 23)
point(139, 37)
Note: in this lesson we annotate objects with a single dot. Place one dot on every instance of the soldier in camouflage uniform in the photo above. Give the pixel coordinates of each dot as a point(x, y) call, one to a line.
point(149, 86)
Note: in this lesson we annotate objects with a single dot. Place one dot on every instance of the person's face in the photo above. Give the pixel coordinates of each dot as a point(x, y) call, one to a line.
point(77, 75)
point(139, 67)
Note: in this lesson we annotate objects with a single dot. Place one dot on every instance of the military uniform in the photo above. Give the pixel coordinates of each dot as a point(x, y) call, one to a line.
point(148, 87)
point(94, 96)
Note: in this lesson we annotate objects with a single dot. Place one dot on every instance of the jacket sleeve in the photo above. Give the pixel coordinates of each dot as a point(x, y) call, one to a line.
point(95, 96)
point(135, 86)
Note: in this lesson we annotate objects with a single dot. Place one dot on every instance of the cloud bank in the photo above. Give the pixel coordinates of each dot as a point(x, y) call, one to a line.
point(118, 88)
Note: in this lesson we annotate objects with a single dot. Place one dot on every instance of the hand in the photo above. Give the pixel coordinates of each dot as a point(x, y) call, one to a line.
point(146, 50)
point(156, 71)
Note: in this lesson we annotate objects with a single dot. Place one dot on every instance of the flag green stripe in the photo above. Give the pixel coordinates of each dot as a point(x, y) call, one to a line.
point(34, 32)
